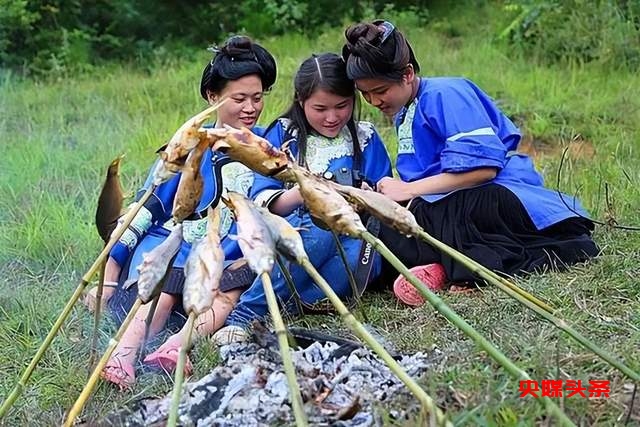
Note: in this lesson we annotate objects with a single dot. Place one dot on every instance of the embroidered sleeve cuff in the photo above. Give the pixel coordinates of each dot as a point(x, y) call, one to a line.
point(266, 197)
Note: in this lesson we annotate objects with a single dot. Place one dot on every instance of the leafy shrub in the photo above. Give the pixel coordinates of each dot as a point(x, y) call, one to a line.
point(577, 30)
point(51, 37)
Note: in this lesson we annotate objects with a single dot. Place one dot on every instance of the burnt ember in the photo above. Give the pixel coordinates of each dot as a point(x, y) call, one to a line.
point(342, 385)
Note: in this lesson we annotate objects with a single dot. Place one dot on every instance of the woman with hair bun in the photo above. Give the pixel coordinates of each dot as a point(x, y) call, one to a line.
point(321, 129)
point(459, 171)
point(242, 71)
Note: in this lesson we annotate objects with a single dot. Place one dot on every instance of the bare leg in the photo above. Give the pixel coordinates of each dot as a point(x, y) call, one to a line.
point(121, 363)
point(206, 324)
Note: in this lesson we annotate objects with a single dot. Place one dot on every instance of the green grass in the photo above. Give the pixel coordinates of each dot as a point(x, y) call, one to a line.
point(58, 137)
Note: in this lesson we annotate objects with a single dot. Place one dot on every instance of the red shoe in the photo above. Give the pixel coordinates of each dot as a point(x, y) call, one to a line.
point(432, 275)
point(166, 358)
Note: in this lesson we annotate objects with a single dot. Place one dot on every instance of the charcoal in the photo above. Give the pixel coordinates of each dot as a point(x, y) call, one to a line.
point(249, 388)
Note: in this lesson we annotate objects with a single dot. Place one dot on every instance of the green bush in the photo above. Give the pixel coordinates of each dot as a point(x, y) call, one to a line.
point(52, 37)
point(577, 30)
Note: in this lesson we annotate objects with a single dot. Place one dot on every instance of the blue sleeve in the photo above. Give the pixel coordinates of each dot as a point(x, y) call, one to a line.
point(230, 247)
point(265, 189)
point(376, 161)
point(157, 209)
point(463, 121)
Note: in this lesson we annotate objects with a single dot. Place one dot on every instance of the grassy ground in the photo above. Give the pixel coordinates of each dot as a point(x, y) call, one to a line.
point(58, 137)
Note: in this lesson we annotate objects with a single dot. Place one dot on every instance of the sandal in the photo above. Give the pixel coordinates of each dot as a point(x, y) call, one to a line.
point(432, 275)
point(166, 358)
point(121, 374)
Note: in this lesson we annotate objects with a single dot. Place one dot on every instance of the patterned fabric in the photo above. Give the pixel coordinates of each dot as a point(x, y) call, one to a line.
point(153, 223)
point(326, 154)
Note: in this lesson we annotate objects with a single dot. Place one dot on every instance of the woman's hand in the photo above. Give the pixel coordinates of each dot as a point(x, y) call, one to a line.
point(395, 189)
point(445, 182)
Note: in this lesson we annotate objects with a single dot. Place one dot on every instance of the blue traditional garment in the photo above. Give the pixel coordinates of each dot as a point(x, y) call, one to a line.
point(322, 155)
point(453, 126)
point(153, 223)
point(326, 155)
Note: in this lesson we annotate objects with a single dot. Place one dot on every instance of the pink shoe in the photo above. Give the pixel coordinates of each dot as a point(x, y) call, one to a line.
point(432, 275)
point(167, 359)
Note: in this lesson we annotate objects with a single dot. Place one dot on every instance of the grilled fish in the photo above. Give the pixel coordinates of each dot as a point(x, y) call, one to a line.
point(288, 240)
point(382, 207)
point(254, 236)
point(204, 268)
point(110, 201)
point(327, 205)
point(156, 263)
point(188, 135)
point(249, 149)
point(191, 184)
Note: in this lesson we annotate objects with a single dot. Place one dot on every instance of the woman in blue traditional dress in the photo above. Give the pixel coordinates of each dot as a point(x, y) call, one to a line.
point(324, 136)
point(241, 71)
point(460, 172)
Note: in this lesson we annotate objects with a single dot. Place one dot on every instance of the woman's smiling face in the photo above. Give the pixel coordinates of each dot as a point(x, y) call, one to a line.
point(244, 104)
point(327, 113)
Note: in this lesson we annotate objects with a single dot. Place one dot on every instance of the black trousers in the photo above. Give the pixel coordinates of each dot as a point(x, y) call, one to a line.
point(490, 225)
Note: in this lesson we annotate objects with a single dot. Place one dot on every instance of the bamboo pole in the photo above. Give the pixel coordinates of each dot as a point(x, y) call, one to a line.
point(482, 271)
point(428, 405)
point(461, 324)
point(149, 319)
point(93, 380)
point(117, 233)
point(548, 315)
point(350, 276)
point(96, 315)
point(287, 362)
point(179, 373)
point(562, 325)
point(289, 281)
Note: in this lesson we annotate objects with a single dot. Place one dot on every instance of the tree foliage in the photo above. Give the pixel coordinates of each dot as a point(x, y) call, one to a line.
point(606, 31)
point(48, 36)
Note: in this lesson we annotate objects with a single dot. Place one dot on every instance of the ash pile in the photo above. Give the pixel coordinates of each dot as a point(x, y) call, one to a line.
point(342, 384)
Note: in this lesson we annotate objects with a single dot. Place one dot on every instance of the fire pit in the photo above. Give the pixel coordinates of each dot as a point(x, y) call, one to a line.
point(342, 384)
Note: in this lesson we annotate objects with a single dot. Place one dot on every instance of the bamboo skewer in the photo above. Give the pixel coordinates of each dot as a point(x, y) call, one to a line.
point(287, 362)
point(289, 280)
point(96, 315)
point(350, 276)
point(482, 271)
point(428, 405)
point(461, 324)
point(93, 380)
point(179, 373)
point(148, 320)
point(117, 233)
point(548, 315)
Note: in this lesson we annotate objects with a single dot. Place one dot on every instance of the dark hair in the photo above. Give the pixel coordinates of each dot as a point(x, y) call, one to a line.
point(377, 50)
point(326, 71)
point(237, 58)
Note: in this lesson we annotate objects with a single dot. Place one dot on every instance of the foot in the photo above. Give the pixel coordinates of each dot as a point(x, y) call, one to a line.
point(461, 288)
point(166, 356)
point(120, 372)
point(230, 334)
point(432, 275)
point(90, 297)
